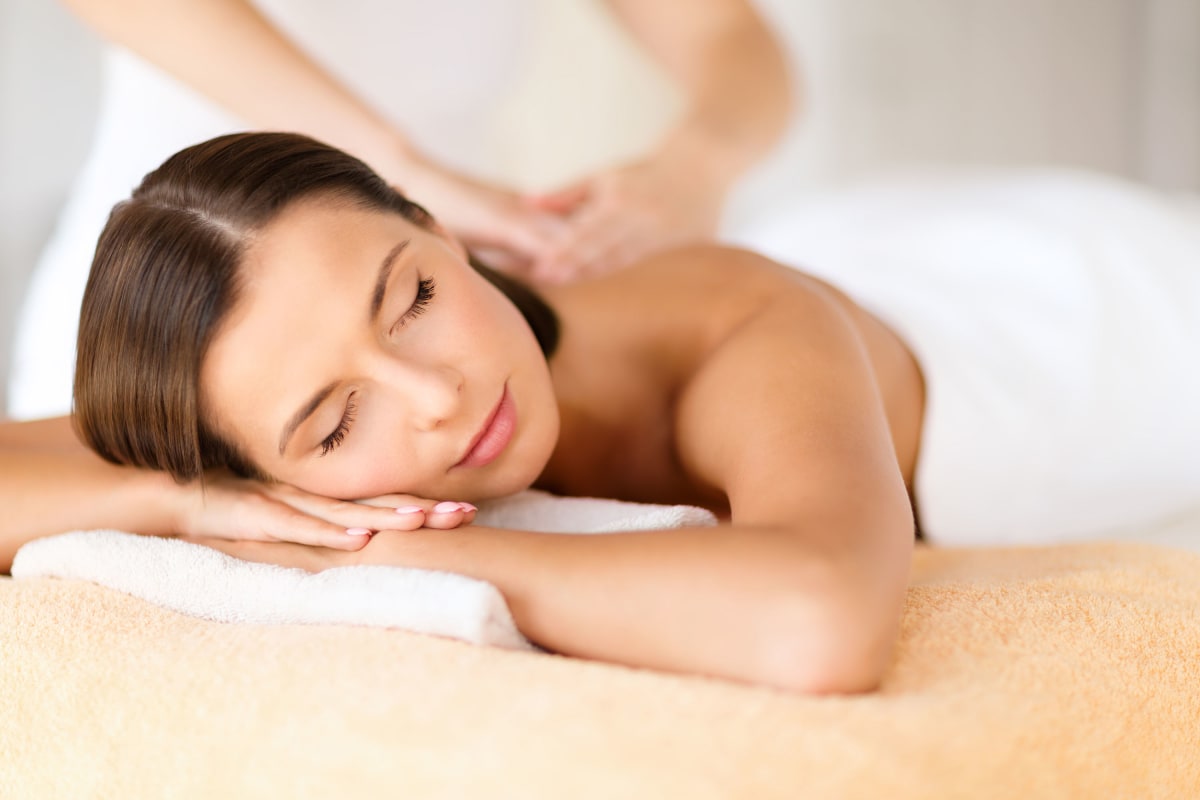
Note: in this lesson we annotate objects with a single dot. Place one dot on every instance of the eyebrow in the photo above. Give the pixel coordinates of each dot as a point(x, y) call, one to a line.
point(304, 413)
point(385, 272)
point(377, 293)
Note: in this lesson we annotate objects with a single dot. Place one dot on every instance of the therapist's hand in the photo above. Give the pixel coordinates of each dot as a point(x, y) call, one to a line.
point(234, 508)
point(618, 216)
point(494, 223)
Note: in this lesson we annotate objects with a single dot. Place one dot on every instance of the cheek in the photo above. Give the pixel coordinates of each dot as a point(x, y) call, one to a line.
point(484, 316)
point(482, 333)
point(375, 458)
point(227, 405)
point(499, 333)
point(367, 472)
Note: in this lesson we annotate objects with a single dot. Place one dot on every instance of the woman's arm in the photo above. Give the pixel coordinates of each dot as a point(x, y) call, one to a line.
point(232, 54)
point(803, 590)
point(50, 483)
point(738, 100)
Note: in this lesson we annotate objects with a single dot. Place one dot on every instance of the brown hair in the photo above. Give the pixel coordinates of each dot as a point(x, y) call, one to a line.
point(166, 273)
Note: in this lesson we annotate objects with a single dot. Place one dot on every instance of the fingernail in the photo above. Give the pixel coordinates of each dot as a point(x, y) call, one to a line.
point(409, 509)
point(358, 531)
point(467, 507)
point(446, 507)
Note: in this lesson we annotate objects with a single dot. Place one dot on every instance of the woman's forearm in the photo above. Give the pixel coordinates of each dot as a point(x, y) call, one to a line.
point(47, 489)
point(229, 52)
point(748, 604)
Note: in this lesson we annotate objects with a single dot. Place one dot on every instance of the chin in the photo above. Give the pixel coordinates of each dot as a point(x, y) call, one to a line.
point(496, 491)
point(523, 464)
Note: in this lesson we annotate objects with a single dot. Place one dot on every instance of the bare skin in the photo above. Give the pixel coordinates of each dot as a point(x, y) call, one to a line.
point(621, 412)
point(706, 376)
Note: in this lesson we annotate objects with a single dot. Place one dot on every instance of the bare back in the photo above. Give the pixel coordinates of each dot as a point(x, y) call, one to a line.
point(634, 342)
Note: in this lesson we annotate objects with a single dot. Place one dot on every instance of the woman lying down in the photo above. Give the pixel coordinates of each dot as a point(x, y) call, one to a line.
point(269, 330)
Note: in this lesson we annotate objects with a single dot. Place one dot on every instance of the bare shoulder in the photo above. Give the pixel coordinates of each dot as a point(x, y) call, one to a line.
point(707, 290)
point(782, 350)
point(732, 271)
point(792, 368)
point(804, 415)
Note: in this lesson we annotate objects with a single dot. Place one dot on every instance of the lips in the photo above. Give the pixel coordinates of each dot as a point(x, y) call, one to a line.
point(494, 436)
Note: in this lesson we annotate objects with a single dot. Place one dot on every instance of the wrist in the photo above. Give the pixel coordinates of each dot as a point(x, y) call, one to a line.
point(148, 502)
point(705, 153)
point(171, 505)
point(401, 164)
point(416, 177)
point(472, 551)
point(386, 151)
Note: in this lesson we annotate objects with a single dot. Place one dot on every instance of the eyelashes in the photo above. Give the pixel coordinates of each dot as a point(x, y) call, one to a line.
point(425, 291)
point(330, 442)
point(426, 287)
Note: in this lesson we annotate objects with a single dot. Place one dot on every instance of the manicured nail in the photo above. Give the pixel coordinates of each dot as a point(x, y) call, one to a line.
point(409, 509)
point(467, 507)
point(446, 507)
point(358, 531)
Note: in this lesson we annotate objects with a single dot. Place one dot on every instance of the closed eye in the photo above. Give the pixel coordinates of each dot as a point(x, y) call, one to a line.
point(426, 287)
point(333, 440)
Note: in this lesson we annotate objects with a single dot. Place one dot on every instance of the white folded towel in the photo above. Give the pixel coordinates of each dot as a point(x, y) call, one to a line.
point(203, 582)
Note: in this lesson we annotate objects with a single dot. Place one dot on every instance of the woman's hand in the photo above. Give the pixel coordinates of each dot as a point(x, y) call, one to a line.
point(382, 551)
point(231, 508)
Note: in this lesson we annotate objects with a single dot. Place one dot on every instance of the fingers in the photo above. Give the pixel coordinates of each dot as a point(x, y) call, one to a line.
point(627, 213)
point(294, 525)
point(396, 501)
point(610, 224)
point(563, 201)
point(502, 259)
point(232, 509)
point(486, 217)
point(527, 236)
point(514, 239)
point(601, 241)
point(280, 522)
point(444, 515)
point(357, 520)
point(447, 515)
point(411, 503)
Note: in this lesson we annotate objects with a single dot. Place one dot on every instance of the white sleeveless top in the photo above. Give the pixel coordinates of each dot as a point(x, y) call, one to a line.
point(436, 70)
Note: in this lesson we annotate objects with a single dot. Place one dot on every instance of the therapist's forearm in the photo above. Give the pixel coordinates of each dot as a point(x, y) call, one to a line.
point(229, 52)
point(735, 78)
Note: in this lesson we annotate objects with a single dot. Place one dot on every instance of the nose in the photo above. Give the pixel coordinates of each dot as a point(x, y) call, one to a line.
point(431, 393)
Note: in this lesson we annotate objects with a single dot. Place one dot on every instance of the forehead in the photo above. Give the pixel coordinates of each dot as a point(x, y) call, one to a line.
point(306, 281)
point(316, 236)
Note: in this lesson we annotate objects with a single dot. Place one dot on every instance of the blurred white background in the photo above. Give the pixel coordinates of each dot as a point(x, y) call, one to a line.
point(1112, 85)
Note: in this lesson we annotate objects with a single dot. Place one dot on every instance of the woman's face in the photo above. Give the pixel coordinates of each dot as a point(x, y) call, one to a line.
point(366, 357)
